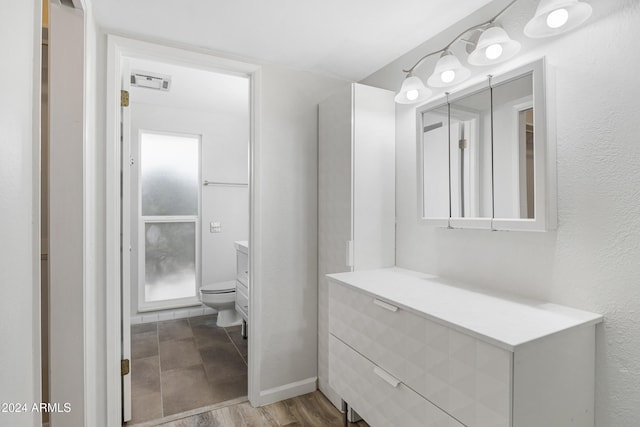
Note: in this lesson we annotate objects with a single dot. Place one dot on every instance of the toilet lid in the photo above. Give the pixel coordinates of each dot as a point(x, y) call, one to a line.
point(219, 287)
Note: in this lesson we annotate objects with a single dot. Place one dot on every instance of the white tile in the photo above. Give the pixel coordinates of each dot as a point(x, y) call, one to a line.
point(165, 315)
point(148, 318)
point(135, 320)
point(196, 312)
point(180, 314)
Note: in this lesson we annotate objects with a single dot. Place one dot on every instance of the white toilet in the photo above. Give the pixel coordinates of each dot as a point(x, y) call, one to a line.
point(222, 297)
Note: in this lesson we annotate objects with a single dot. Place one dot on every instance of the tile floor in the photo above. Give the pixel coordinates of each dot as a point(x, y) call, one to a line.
point(183, 364)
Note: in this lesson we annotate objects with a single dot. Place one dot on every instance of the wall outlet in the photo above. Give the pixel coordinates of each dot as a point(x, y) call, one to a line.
point(215, 227)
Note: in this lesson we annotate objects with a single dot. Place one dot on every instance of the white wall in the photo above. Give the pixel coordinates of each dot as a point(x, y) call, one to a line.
point(591, 262)
point(225, 153)
point(19, 206)
point(285, 239)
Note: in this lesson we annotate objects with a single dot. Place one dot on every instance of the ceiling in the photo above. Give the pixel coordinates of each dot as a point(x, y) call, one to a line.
point(350, 39)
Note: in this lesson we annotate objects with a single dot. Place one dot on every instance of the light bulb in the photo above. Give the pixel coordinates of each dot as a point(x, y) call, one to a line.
point(494, 51)
point(412, 94)
point(448, 76)
point(557, 18)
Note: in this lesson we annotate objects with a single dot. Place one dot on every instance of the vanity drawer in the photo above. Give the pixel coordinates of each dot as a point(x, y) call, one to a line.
point(242, 287)
point(464, 376)
point(378, 397)
point(242, 299)
point(372, 327)
point(242, 266)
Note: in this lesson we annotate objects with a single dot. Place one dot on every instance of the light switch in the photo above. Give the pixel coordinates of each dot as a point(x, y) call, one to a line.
point(215, 227)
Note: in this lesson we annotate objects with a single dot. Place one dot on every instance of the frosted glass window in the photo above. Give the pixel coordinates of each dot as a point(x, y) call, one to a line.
point(170, 260)
point(169, 168)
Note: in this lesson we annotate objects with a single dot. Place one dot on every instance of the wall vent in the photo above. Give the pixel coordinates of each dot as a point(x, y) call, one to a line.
point(150, 80)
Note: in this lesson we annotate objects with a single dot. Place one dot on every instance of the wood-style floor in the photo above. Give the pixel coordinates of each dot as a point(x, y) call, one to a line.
point(310, 410)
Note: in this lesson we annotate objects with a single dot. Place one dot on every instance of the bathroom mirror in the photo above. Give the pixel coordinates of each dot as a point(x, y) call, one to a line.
point(497, 141)
point(433, 160)
point(513, 143)
point(470, 162)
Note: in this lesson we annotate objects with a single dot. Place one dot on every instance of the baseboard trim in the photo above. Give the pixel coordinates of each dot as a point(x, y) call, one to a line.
point(288, 391)
point(178, 313)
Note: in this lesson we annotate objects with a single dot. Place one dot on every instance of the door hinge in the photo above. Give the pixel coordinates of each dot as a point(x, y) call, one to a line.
point(124, 367)
point(124, 98)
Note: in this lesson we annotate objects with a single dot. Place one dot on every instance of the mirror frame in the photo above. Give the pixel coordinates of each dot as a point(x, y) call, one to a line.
point(545, 190)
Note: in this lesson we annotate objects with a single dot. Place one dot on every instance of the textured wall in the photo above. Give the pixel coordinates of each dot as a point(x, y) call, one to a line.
point(19, 199)
point(591, 261)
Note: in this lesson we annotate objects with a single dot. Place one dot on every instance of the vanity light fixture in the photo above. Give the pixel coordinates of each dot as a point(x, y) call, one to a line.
point(557, 16)
point(412, 91)
point(493, 46)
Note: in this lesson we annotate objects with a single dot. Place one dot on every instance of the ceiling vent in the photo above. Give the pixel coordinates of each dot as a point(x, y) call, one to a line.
point(150, 80)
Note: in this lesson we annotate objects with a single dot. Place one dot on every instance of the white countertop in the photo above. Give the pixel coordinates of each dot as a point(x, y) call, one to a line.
point(504, 320)
point(242, 246)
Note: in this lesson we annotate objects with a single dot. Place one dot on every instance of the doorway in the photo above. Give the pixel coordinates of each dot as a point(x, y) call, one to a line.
point(185, 161)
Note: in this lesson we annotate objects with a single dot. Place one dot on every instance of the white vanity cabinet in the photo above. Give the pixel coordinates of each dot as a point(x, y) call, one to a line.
point(409, 349)
point(356, 193)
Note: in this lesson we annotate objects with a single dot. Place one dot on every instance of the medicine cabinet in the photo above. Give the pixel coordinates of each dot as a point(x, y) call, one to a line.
point(486, 155)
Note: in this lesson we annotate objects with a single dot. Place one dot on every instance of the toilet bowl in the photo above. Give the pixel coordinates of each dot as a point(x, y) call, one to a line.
point(221, 296)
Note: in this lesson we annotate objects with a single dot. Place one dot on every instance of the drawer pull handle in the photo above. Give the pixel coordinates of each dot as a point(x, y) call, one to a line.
point(385, 305)
point(388, 378)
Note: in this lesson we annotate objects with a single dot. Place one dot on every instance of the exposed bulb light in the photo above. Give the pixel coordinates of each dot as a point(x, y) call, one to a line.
point(557, 16)
point(494, 46)
point(448, 76)
point(412, 91)
point(448, 71)
point(494, 51)
point(412, 94)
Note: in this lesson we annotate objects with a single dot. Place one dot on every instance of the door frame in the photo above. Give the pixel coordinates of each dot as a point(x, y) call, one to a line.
point(119, 48)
